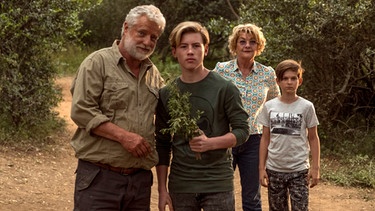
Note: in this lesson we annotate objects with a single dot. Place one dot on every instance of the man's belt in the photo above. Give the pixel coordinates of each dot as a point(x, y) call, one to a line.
point(123, 171)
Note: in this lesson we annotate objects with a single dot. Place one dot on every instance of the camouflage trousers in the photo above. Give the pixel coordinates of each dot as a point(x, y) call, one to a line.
point(282, 186)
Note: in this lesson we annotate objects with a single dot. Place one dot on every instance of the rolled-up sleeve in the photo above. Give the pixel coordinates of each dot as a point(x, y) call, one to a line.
point(86, 92)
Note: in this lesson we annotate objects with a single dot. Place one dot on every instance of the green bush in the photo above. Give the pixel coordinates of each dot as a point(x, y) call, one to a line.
point(30, 33)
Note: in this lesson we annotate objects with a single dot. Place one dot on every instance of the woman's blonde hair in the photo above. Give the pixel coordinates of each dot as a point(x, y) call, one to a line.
point(248, 28)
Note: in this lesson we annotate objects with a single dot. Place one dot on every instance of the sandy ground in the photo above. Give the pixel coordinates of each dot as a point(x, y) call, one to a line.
point(40, 180)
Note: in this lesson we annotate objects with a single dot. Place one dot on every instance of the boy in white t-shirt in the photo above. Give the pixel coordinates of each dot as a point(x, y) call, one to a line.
point(289, 133)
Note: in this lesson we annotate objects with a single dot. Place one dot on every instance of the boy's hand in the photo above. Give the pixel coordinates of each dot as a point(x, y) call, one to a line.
point(313, 177)
point(263, 178)
point(200, 144)
point(165, 201)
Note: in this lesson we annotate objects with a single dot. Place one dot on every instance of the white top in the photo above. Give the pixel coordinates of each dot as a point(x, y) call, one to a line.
point(289, 148)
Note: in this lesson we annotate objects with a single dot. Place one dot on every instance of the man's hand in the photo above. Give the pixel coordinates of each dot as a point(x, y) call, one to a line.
point(136, 145)
point(132, 142)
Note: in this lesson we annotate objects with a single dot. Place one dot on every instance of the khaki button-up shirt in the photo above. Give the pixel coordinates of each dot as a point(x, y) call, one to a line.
point(103, 90)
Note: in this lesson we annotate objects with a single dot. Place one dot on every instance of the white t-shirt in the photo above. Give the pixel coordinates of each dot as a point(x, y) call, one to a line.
point(289, 148)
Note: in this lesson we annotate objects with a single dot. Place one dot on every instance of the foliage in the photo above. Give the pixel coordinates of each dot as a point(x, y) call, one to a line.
point(68, 59)
point(350, 163)
point(342, 55)
point(102, 24)
point(30, 32)
point(335, 42)
point(169, 68)
point(179, 108)
point(334, 39)
point(356, 171)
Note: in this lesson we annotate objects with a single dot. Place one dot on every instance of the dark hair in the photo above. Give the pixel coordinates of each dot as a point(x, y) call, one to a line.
point(291, 65)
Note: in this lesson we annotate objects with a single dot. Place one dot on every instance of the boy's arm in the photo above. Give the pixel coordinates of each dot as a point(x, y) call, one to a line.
point(164, 198)
point(263, 153)
point(314, 142)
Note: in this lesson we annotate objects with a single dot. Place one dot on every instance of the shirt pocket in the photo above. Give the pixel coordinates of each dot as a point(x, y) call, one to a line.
point(116, 95)
point(154, 91)
point(152, 96)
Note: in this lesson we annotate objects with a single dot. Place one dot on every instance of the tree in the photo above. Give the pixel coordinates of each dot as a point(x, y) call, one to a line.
point(103, 23)
point(30, 32)
point(334, 40)
point(342, 52)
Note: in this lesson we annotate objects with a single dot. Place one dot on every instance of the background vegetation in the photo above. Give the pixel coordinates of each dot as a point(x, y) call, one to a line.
point(333, 39)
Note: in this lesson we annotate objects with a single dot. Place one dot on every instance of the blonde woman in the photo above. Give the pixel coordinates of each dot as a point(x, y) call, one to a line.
point(257, 84)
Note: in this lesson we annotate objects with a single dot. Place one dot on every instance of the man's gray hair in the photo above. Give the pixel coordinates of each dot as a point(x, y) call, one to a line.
point(153, 14)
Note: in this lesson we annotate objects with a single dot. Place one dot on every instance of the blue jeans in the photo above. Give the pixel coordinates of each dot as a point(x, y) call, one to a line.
point(246, 157)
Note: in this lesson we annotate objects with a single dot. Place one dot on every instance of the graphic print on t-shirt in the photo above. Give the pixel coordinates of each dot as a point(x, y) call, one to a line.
point(286, 123)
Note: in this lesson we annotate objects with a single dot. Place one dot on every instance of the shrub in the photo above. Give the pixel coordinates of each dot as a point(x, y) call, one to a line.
point(30, 32)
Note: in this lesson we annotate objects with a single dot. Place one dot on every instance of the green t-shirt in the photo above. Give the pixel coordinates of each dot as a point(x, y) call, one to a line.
point(220, 101)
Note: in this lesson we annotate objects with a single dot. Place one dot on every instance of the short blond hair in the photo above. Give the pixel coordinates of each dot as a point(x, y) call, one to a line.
point(249, 28)
point(186, 27)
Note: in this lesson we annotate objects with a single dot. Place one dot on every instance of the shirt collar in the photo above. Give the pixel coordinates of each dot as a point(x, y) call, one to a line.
point(235, 65)
point(118, 56)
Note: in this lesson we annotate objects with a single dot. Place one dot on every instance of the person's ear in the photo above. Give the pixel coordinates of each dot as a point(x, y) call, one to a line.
point(174, 52)
point(205, 50)
point(300, 80)
point(126, 27)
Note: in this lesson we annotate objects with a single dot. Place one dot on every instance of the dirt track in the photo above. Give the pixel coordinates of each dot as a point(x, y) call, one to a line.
point(40, 180)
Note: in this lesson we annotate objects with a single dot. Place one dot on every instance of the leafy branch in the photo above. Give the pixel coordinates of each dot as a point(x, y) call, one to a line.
point(181, 122)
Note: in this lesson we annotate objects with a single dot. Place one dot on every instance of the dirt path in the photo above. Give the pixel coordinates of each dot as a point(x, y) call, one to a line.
point(40, 180)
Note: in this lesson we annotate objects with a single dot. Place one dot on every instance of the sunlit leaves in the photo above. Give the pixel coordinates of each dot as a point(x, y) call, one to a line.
point(179, 108)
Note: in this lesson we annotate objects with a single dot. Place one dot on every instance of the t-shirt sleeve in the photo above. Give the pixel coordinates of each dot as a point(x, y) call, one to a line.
point(312, 119)
point(263, 117)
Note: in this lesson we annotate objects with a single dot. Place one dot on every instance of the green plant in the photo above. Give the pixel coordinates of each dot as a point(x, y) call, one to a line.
point(30, 34)
point(179, 109)
point(357, 171)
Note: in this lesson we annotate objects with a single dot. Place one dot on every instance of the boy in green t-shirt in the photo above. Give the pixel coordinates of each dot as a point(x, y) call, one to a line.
point(205, 183)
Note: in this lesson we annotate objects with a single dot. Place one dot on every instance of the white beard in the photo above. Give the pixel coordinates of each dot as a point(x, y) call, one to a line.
point(131, 48)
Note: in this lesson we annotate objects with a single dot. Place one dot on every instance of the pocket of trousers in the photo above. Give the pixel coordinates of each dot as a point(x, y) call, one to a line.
point(85, 176)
